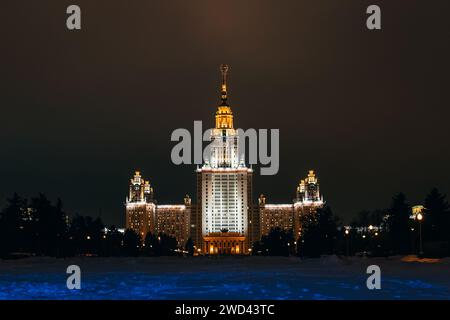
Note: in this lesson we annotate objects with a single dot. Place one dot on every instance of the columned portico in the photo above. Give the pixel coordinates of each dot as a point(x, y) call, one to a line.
point(225, 243)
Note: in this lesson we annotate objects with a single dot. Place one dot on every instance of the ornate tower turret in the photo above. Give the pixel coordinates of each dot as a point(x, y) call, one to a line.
point(224, 115)
point(308, 189)
point(140, 190)
point(140, 206)
point(148, 191)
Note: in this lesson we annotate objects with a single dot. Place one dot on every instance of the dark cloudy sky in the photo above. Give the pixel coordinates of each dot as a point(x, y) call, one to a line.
point(81, 110)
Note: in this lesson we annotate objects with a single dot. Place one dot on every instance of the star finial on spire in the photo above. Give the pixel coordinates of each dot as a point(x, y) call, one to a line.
point(224, 70)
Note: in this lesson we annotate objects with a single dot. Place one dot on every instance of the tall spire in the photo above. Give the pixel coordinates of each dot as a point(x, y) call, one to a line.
point(224, 70)
point(224, 116)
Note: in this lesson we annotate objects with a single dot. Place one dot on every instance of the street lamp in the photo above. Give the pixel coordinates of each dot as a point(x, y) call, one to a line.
point(418, 215)
point(347, 241)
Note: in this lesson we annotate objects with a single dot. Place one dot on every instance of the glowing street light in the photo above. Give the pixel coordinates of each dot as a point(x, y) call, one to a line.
point(417, 212)
point(347, 239)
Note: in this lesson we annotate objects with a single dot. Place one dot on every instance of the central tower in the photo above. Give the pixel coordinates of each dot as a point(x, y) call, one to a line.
point(224, 186)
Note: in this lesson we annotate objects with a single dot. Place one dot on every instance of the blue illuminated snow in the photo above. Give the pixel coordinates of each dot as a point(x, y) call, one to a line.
point(223, 278)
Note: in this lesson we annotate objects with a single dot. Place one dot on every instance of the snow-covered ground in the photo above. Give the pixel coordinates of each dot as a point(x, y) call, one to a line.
point(224, 278)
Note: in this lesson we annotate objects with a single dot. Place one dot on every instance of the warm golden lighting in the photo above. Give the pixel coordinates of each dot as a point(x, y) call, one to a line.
point(224, 116)
point(311, 177)
point(417, 212)
point(417, 209)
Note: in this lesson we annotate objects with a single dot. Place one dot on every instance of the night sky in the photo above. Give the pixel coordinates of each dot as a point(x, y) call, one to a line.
point(81, 110)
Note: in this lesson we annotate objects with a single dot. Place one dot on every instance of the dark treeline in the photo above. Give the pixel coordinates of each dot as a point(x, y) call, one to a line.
point(381, 232)
point(277, 243)
point(39, 227)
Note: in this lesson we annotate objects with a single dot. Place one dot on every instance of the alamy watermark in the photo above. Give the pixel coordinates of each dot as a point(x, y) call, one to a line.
point(374, 280)
point(258, 146)
point(74, 280)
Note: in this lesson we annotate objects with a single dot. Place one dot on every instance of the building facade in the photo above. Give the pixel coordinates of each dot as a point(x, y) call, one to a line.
point(226, 186)
point(289, 216)
point(224, 220)
point(144, 215)
point(140, 207)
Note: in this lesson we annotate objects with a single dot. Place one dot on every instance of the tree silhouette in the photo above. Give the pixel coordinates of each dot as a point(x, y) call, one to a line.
point(86, 235)
point(112, 242)
point(12, 225)
point(48, 224)
point(166, 245)
point(131, 243)
point(436, 221)
point(278, 242)
point(258, 248)
point(318, 235)
point(364, 218)
point(190, 247)
point(151, 245)
point(400, 224)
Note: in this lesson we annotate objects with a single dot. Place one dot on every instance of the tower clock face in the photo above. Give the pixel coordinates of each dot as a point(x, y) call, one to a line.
point(136, 187)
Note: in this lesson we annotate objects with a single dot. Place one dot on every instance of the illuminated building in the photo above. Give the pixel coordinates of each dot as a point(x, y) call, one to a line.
point(289, 216)
point(174, 220)
point(307, 201)
point(224, 219)
point(144, 215)
point(140, 207)
point(224, 197)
